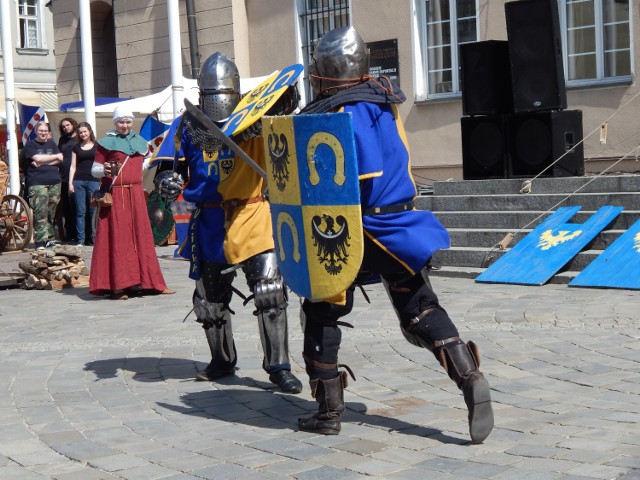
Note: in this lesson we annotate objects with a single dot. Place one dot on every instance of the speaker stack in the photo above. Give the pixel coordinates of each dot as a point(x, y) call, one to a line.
point(514, 100)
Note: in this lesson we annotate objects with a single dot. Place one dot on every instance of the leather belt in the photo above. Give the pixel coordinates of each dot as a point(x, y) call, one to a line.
point(231, 205)
point(401, 207)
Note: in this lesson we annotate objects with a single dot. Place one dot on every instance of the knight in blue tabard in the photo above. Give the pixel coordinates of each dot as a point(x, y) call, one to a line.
point(230, 228)
point(398, 240)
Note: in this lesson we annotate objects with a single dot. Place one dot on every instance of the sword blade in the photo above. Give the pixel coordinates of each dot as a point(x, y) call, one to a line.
point(210, 125)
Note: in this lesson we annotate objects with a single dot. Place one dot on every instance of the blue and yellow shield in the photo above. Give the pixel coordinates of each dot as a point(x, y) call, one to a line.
point(260, 99)
point(312, 176)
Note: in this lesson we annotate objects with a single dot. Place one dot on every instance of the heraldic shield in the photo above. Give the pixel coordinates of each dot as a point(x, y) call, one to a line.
point(312, 176)
point(259, 100)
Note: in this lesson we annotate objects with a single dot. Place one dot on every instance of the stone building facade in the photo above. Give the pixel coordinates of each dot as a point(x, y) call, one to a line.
point(416, 41)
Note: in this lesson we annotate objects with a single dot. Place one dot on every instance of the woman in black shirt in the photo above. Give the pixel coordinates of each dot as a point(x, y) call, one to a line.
point(82, 183)
point(66, 214)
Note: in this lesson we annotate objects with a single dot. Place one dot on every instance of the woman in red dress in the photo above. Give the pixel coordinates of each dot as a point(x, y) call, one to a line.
point(124, 258)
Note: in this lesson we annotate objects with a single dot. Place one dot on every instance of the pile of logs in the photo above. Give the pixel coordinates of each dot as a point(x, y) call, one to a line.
point(54, 268)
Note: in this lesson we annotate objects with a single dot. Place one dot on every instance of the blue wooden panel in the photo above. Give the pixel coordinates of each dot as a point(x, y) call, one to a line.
point(617, 267)
point(550, 246)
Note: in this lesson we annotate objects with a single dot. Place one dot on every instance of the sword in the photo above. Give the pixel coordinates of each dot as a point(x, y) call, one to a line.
point(208, 123)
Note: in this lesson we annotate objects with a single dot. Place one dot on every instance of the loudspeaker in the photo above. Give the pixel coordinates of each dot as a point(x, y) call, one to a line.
point(535, 53)
point(484, 147)
point(537, 139)
point(486, 78)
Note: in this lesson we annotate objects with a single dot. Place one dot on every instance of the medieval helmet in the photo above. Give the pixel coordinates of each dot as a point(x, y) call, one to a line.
point(339, 57)
point(219, 83)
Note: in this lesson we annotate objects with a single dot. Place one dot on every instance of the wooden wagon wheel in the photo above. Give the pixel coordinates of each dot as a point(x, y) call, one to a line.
point(16, 223)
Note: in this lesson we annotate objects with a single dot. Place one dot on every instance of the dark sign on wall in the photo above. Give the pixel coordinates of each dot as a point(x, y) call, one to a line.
point(384, 59)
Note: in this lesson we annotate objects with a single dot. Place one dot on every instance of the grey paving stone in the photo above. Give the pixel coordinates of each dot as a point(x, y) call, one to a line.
point(18, 472)
point(120, 396)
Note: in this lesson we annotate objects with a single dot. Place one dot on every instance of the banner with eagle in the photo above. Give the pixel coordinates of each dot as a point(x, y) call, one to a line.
point(312, 177)
point(260, 99)
point(548, 248)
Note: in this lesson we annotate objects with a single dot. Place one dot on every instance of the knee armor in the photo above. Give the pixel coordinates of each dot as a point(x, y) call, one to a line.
point(265, 282)
point(422, 320)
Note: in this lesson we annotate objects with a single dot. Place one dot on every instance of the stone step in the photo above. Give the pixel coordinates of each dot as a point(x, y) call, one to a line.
point(465, 237)
point(524, 219)
point(548, 185)
point(472, 272)
point(480, 257)
point(542, 202)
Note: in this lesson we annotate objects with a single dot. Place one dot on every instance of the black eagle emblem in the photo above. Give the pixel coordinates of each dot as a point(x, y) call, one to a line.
point(226, 165)
point(331, 244)
point(279, 154)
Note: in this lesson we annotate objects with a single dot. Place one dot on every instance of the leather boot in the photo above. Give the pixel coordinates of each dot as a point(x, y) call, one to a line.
point(462, 361)
point(330, 396)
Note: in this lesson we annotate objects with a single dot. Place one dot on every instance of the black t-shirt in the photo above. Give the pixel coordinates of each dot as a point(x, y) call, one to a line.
point(65, 145)
point(84, 162)
point(45, 174)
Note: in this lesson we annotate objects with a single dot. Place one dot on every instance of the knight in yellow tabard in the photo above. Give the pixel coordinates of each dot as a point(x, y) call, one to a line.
point(230, 228)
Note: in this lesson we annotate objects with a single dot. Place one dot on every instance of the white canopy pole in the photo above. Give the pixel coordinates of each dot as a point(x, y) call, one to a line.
point(175, 54)
point(10, 105)
point(89, 96)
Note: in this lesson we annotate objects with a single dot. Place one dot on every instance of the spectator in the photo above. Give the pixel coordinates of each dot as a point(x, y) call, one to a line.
point(82, 184)
point(124, 260)
point(43, 179)
point(66, 213)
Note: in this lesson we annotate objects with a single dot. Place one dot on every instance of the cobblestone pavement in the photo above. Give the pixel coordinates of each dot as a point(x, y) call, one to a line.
point(92, 388)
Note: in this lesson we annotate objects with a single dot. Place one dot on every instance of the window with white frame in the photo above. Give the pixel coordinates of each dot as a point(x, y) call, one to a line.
point(317, 17)
point(597, 40)
point(443, 26)
point(29, 23)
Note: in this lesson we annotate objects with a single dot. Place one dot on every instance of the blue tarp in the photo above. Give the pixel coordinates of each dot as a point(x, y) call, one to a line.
point(99, 101)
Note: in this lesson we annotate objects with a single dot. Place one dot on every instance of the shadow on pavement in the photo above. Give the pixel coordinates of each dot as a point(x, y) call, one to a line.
point(269, 408)
point(146, 369)
point(261, 405)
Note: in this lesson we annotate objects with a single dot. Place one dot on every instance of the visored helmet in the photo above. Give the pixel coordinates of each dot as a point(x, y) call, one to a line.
point(340, 57)
point(219, 84)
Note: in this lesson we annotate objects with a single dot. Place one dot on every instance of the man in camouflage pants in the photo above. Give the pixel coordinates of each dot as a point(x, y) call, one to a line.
point(44, 183)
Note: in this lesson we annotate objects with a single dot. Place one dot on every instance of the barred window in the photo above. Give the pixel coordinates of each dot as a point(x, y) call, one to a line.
point(318, 17)
point(444, 25)
point(28, 17)
point(597, 39)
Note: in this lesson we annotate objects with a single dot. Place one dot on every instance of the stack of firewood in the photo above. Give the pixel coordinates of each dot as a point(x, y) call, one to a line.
point(54, 268)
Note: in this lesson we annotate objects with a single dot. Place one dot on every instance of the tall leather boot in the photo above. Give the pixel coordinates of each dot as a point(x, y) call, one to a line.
point(330, 396)
point(461, 361)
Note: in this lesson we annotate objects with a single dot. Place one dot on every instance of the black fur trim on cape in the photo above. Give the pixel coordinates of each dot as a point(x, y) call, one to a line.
point(369, 91)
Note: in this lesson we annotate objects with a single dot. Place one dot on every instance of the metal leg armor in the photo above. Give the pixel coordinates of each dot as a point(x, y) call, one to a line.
point(425, 323)
point(270, 298)
point(215, 317)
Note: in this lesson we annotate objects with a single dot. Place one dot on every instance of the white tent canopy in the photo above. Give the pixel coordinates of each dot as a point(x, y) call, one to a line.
point(161, 102)
point(27, 97)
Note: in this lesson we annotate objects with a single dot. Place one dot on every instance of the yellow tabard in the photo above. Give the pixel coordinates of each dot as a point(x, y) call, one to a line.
point(248, 230)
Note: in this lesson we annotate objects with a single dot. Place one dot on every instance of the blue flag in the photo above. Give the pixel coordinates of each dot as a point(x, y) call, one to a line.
point(29, 116)
point(167, 149)
point(153, 131)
